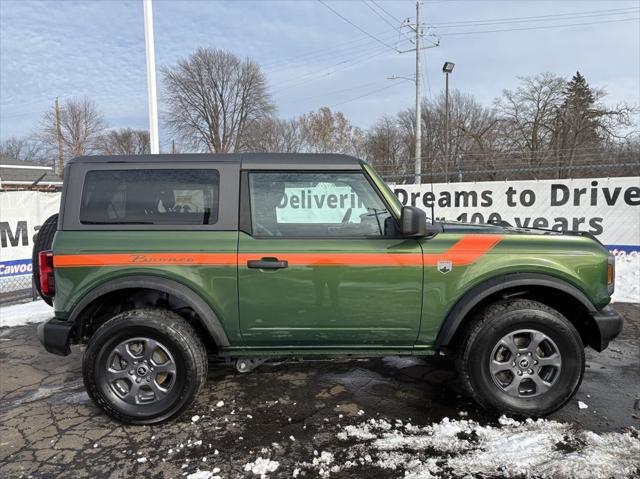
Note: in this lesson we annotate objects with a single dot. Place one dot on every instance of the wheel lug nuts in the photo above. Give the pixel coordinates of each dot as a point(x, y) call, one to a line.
point(513, 364)
point(529, 354)
point(535, 362)
point(148, 380)
point(519, 373)
point(131, 372)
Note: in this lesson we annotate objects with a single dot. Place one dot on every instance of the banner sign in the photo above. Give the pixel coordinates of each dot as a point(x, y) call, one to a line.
point(608, 208)
point(21, 215)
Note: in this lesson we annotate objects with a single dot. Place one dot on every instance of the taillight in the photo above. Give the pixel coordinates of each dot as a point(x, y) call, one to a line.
point(47, 279)
point(611, 274)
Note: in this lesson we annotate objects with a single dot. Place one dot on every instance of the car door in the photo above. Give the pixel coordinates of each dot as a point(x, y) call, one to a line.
point(322, 264)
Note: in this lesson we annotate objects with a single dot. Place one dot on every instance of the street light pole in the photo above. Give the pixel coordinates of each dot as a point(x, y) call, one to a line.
point(417, 167)
point(151, 77)
point(448, 68)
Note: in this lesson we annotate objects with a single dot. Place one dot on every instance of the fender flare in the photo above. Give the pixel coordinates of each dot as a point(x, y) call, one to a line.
point(494, 285)
point(209, 318)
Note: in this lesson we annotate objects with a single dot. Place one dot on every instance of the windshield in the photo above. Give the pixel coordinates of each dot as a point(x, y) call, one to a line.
point(391, 198)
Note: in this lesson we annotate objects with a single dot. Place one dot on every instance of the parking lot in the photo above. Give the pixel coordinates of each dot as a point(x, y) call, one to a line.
point(312, 418)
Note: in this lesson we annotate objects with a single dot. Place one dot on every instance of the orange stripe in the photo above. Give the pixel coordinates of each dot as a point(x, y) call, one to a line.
point(144, 259)
point(466, 251)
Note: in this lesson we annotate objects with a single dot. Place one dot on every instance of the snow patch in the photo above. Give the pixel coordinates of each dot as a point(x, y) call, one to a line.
point(203, 474)
point(261, 467)
point(25, 313)
point(627, 277)
point(548, 449)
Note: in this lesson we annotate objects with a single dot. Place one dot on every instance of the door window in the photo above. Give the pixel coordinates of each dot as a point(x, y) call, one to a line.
point(300, 204)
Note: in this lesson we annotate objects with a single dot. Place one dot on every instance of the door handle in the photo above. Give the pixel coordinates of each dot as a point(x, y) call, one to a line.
point(267, 263)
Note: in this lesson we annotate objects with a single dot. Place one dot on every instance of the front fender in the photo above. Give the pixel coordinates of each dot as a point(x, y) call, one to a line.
point(500, 283)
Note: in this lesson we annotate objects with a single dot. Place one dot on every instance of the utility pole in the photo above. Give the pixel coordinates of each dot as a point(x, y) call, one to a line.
point(417, 28)
point(59, 138)
point(151, 77)
point(417, 167)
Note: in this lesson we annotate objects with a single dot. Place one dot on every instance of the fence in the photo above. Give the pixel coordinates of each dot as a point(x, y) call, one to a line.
point(16, 288)
point(22, 214)
point(509, 167)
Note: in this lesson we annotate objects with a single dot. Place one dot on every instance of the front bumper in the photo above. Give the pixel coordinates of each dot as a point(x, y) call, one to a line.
point(609, 324)
point(55, 336)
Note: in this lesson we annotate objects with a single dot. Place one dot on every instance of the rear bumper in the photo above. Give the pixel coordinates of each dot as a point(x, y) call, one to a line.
point(55, 336)
point(609, 323)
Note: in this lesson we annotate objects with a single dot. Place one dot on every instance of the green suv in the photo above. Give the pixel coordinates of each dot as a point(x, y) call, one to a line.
point(159, 262)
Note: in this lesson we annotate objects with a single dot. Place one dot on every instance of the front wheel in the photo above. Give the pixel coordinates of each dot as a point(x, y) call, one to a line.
point(521, 358)
point(144, 366)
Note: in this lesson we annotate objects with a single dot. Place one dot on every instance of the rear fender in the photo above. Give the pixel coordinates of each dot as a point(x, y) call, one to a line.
point(208, 317)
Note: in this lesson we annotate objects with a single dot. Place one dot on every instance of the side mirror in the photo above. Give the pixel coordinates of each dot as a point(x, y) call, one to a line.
point(413, 222)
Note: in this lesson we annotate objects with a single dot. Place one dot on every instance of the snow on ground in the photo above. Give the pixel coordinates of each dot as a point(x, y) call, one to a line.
point(19, 314)
point(261, 467)
point(627, 277)
point(464, 448)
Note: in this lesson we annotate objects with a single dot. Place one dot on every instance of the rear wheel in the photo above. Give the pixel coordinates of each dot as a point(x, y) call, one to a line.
point(145, 366)
point(521, 358)
point(43, 242)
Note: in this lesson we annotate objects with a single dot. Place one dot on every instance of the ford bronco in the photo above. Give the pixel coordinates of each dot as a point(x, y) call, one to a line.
point(157, 263)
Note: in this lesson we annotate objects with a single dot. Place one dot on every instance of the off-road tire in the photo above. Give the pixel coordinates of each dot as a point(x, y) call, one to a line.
point(165, 326)
point(43, 242)
point(486, 330)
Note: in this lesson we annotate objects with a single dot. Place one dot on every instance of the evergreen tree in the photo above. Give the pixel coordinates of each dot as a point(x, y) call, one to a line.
point(579, 122)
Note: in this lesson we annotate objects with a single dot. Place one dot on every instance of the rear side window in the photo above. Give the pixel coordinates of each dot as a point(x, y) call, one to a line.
point(150, 197)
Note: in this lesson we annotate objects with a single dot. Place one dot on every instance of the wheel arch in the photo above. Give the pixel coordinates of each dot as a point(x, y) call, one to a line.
point(84, 311)
point(549, 290)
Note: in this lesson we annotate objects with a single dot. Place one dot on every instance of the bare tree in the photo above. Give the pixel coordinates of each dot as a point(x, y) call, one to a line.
point(530, 114)
point(124, 141)
point(24, 149)
point(469, 126)
point(387, 151)
point(327, 132)
point(81, 125)
point(213, 97)
point(275, 136)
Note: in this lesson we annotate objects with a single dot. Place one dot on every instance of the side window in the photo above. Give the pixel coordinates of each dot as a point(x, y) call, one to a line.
point(317, 204)
point(150, 197)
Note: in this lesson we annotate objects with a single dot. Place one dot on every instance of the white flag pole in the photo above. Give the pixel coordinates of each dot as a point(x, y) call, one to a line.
point(151, 77)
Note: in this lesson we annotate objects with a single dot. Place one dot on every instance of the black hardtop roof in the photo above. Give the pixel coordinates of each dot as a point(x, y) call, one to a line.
point(246, 160)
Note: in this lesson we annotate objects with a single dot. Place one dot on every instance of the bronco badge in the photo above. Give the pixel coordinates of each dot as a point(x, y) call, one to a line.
point(445, 266)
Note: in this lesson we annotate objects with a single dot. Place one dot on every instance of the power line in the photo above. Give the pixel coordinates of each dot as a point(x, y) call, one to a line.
point(538, 28)
point(385, 11)
point(561, 16)
point(334, 69)
point(336, 92)
point(398, 28)
point(346, 52)
point(380, 16)
point(356, 26)
point(365, 95)
point(332, 51)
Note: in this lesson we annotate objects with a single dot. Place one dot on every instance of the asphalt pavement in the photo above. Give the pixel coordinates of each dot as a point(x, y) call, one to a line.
point(49, 427)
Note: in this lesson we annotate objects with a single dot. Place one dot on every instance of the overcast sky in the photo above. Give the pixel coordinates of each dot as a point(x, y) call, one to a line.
point(312, 56)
